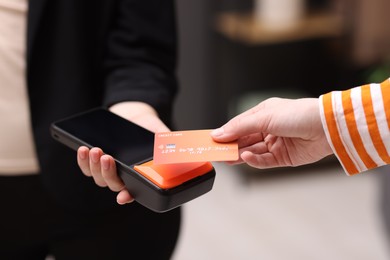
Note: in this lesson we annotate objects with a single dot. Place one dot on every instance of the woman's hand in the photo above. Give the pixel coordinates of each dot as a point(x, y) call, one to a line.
point(278, 132)
point(101, 167)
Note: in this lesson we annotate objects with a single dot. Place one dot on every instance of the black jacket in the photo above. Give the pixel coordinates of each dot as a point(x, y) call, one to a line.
point(87, 53)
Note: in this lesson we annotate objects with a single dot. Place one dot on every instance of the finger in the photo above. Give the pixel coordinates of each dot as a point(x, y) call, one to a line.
point(109, 173)
point(94, 163)
point(124, 197)
point(83, 160)
point(239, 161)
point(257, 148)
point(249, 140)
point(241, 126)
point(260, 161)
point(268, 154)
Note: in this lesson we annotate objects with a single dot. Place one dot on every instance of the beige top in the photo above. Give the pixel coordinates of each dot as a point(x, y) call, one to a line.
point(17, 151)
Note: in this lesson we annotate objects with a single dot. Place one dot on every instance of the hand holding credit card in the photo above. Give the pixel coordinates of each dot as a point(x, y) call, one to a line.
point(191, 146)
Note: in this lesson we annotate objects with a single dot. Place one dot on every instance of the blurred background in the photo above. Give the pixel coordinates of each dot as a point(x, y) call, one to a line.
point(236, 53)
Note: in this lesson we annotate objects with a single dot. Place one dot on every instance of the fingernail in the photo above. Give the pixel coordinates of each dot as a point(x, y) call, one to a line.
point(105, 163)
point(217, 132)
point(125, 202)
point(82, 154)
point(94, 157)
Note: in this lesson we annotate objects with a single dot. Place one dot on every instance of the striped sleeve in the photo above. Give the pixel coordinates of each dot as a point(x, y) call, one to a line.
point(357, 126)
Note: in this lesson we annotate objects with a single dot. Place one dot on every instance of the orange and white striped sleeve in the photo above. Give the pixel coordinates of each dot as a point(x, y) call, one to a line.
point(357, 125)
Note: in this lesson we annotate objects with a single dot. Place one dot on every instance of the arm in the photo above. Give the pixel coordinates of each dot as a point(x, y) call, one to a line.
point(357, 125)
point(140, 79)
point(140, 62)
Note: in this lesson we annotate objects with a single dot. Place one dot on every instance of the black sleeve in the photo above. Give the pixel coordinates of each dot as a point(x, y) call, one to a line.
point(141, 54)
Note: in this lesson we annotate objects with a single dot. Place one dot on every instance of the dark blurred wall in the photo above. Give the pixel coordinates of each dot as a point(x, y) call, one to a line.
point(214, 70)
point(193, 103)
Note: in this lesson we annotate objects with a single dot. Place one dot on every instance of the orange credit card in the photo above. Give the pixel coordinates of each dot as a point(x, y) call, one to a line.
point(191, 146)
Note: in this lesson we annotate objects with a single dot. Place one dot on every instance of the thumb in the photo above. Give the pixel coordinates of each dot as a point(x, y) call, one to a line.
point(240, 126)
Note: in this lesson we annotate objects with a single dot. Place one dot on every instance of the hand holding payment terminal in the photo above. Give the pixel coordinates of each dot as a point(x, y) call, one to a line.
point(158, 187)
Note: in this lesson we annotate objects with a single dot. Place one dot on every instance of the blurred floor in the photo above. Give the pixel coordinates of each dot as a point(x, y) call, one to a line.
point(313, 213)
